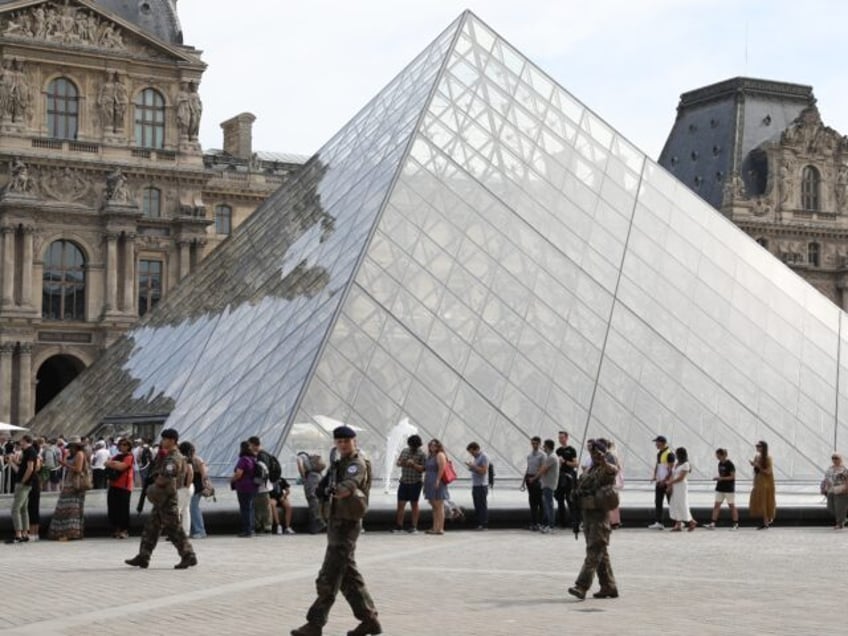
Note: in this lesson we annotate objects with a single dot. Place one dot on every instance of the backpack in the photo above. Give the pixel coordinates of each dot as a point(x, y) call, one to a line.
point(275, 471)
point(312, 463)
point(50, 459)
point(260, 472)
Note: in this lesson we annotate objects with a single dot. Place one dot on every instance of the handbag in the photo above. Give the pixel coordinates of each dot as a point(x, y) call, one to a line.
point(449, 474)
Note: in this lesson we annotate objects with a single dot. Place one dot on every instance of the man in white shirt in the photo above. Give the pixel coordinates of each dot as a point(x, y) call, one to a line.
point(662, 471)
point(98, 464)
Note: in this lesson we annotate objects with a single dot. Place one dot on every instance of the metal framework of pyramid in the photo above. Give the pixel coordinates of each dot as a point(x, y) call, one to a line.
point(478, 252)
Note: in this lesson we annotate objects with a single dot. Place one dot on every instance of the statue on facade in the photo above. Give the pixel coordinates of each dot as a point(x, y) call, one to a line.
point(14, 91)
point(116, 187)
point(62, 25)
point(189, 110)
point(841, 188)
point(785, 182)
point(20, 180)
point(112, 103)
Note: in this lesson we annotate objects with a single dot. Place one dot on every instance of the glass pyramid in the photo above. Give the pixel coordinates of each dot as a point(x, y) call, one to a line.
point(479, 253)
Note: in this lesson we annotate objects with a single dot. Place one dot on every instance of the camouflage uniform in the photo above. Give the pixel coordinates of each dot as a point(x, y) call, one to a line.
point(596, 528)
point(165, 515)
point(339, 570)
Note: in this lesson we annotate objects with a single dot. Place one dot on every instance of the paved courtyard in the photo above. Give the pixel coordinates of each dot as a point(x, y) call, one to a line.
point(509, 582)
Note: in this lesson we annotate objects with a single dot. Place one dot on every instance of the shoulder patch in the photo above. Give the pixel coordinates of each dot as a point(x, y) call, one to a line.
point(352, 469)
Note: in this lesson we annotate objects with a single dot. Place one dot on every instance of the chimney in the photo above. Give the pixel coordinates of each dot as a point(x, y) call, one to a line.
point(238, 136)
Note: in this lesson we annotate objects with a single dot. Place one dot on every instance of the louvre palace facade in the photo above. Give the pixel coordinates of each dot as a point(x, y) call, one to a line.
point(108, 200)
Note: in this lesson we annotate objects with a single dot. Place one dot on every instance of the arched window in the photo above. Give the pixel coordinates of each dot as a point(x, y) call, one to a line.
point(63, 287)
point(62, 109)
point(813, 254)
point(151, 202)
point(223, 219)
point(149, 285)
point(763, 242)
point(150, 119)
point(810, 181)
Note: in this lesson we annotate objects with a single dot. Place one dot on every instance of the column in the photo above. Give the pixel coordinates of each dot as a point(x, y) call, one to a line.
point(26, 267)
point(6, 351)
point(184, 249)
point(8, 298)
point(25, 405)
point(111, 272)
point(129, 273)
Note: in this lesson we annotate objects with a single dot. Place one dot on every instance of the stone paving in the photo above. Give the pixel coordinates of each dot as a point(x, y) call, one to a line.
point(505, 582)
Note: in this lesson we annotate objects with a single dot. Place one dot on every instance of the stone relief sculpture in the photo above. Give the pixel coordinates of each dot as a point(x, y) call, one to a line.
point(15, 91)
point(116, 187)
point(786, 175)
point(189, 110)
point(62, 25)
point(64, 185)
point(841, 193)
point(112, 103)
point(20, 181)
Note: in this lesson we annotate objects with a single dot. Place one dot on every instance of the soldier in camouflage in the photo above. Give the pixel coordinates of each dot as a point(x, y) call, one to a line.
point(596, 525)
point(348, 487)
point(167, 471)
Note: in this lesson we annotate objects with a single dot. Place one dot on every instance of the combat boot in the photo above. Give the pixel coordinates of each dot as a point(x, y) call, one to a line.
point(368, 626)
point(138, 561)
point(309, 629)
point(186, 562)
point(609, 592)
point(578, 592)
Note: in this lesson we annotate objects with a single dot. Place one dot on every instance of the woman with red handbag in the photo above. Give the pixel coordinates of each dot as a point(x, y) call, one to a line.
point(435, 485)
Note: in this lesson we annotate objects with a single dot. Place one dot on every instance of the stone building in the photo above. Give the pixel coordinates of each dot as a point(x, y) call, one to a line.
point(759, 152)
point(108, 199)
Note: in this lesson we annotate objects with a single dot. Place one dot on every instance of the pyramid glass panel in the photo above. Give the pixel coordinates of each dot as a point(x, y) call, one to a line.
point(479, 255)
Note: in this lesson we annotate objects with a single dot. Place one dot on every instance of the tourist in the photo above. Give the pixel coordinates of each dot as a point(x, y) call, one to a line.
point(725, 489)
point(310, 468)
point(614, 458)
point(677, 485)
point(836, 489)
point(262, 501)
point(435, 489)
point(244, 485)
point(197, 526)
point(185, 486)
point(479, 467)
point(567, 478)
point(411, 462)
point(24, 467)
point(548, 477)
point(662, 471)
point(68, 522)
point(762, 504)
point(120, 472)
point(98, 464)
point(39, 480)
point(280, 499)
point(532, 484)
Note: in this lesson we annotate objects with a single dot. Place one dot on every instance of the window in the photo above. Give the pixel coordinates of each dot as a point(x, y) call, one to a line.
point(151, 202)
point(810, 188)
point(63, 287)
point(150, 119)
point(813, 254)
point(149, 285)
point(62, 109)
point(223, 219)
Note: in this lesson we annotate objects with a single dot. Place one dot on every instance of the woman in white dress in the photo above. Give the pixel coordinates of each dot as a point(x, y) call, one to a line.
point(678, 485)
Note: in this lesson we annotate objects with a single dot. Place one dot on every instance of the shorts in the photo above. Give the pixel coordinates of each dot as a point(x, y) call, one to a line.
point(409, 492)
point(729, 497)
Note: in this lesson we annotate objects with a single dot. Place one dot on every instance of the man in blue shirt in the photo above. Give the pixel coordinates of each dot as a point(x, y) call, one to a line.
point(479, 467)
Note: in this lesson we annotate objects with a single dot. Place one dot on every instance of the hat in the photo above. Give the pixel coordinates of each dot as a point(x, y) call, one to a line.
point(74, 439)
point(170, 433)
point(597, 445)
point(660, 438)
point(343, 432)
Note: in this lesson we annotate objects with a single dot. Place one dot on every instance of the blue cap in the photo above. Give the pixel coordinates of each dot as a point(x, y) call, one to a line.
point(343, 432)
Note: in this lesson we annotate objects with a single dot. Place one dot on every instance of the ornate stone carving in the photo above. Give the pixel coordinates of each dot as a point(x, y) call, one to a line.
point(15, 91)
point(64, 184)
point(841, 189)
point(20, 181)
point(189, 110)
point(786, 181)
point(808, 135)
point(112, 103)
point(63, 25)
point(734, 189)
point(116, 187)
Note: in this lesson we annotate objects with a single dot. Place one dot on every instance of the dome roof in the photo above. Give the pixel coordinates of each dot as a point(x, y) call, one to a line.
point(157, 17)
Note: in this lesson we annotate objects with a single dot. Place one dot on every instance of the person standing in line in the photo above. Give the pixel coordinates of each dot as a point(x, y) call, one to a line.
point(725, 489)
point(165, 475)
point(411, 462)
point(567, 479)
point(185, 488)
point(25, 472)
point(197, 526)
point(68, 522)
point(38, 481)
point(762, 504)
point(548, 479)
point(479, 467)
point(678, 486)
point(262, 500)
point(596, 526)
point(532, 484)
point(662, 471)
point(348, 488)
point(310, 473)
point(120, 490)
point(435, 489)
point(98, 464)
point(835, 487)
point(614, 458)
point(244, 485)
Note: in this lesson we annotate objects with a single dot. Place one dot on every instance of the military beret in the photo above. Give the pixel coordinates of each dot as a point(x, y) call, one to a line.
point(170, 433)
point(343, 432)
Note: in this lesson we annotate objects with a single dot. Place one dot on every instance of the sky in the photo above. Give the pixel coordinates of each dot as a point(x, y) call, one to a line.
point(305, 68)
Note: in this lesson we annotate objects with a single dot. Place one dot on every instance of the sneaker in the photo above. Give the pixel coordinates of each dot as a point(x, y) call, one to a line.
point(397, 530)
point(279, 529)
point(656, 525)
point(15, 540)
point(412, 531)
point(33, 537)
point(288, 531)
point(544, 529)
point(710, 526)
point(735, 526)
